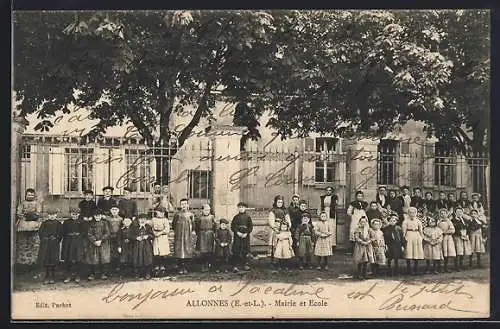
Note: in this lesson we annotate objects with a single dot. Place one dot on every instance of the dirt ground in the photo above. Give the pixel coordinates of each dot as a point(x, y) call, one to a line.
point(341, 268)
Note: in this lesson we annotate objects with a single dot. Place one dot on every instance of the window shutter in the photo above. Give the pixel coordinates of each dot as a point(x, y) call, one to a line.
point(101, 173)
point(340, 172)
point(462, 172)
point(56, 170)
point(428, 179)
point(118, 168)
point(405, 147)
point(309, 145)
point(308, 168)
point(33, 167)
point(403, 170)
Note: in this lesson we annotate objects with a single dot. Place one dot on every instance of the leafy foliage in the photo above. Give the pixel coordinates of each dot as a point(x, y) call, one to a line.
point(340, 72)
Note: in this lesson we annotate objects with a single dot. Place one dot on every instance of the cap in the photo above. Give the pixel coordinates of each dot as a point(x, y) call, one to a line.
point(374, 220)
point(108, 188)
point(88, 192)
point(306, 214)
point(224, 221)
point(114, 206)
point(241, 204)
point(52, 211)
point(143, 216)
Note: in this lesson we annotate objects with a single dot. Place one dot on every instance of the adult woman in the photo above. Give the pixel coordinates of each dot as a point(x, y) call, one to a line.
point(328, 203)
point(355, 211)
point(276, 216)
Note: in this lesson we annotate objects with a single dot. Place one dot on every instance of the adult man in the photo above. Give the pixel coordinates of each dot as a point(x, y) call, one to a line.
point(442, 202)
point(416, 200)
point(381, 197)
point(107, 201)
point(294, 213)
point(329, 205)
point(128, 207)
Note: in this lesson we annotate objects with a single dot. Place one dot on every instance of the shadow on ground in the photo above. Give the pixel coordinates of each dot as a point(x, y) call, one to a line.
point(340, 269)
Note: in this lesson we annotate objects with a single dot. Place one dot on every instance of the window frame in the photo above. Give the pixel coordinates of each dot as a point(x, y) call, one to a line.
point(442, 153)
point(327, 165)
point(69, 153)
point(192, 184)
point(142, 185)
point(388, 179)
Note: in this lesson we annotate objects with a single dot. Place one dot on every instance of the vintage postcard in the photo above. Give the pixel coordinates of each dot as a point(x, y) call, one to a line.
point(250, 164)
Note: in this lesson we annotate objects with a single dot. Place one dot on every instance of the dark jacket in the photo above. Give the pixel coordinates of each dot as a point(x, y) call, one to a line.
point(72, 245)
point(241, 223)
point(128, 208)
point(142, 251)
point(333, 205)
point(87, 208)
point(105, 205)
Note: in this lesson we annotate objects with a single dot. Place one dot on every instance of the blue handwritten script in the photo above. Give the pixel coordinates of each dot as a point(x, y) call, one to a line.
point(402, 297)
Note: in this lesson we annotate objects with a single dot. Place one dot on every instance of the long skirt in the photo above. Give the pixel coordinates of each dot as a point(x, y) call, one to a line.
point(323, 247)
point(448, 246)
point(114, 244)
point(379, 255)
point(99, 255)
point(142, 253)
point(414, 248)
point(462, 246)
point(363, 254)
point(476, 241)
point(126, 256)
point(27, 246)
point(206, 242)
point(306, 246)
point(433, 252)
point(161, 245)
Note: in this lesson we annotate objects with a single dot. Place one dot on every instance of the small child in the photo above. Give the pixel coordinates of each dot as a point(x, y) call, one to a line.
point(223, 238)
point(476, 236)
point(115, 223)
point(460, 237)
point(99, 248)
point(323, 248)
point(125, 248)
point(433, 238)
point(161, 243)
point(363, 250)
point(283, 250)
point(205, 227)
point(50, 233)
point(394, 240)
point(142, 249)
point(241, 226)
point(447, 245)
point(305, 238)
point(378, 245)
point(84, 229)
point(183, 227)
point(72, 245)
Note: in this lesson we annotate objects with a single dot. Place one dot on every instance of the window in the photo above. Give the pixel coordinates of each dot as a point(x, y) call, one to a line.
point(326, 144)
point(478, 166)
point(79, 169)
point(386, 164)
point(138, 170)
point(199, 184)
point(325, 172)
point(445, 164)
point(324, 167)
point(26, 153)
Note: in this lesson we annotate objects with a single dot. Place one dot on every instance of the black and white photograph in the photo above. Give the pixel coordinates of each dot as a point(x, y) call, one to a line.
point(250, 164)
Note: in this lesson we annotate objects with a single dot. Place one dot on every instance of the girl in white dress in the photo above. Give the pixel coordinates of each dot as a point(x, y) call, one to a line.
point(412, 232)
point(322, 248)
point(447, 244)
point(276, 216)
point(161, 244)
point(283, 250)
point(355, 211)
point(378, 244)
point(433, 237)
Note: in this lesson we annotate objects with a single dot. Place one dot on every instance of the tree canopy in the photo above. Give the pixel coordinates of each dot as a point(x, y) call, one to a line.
point(340, 72)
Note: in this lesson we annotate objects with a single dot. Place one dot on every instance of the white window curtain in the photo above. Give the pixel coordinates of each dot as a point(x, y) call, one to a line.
point(428, 179)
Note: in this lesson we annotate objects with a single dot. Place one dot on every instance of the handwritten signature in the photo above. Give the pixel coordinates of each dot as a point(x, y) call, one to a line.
point(400, 297)
point(248, 287)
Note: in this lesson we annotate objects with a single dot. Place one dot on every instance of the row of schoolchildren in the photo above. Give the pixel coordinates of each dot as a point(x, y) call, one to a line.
point(93, 242)
point(449, 236)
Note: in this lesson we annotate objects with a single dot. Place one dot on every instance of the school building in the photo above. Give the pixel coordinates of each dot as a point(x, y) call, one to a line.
point(212, 167)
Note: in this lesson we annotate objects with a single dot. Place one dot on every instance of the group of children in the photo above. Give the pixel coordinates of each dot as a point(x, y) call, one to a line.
point(432, 230)
point(96, 242)
point(108, 237)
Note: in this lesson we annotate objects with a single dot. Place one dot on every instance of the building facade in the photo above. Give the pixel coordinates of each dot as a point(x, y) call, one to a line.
point(212, 168)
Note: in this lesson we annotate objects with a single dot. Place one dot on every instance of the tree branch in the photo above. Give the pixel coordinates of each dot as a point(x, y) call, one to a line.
point(141, 127)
